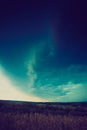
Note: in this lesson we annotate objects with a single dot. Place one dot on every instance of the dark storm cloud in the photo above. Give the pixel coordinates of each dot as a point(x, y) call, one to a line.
point(43, 46)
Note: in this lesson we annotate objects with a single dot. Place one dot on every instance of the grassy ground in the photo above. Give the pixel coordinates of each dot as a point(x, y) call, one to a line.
point(38, 121)
point(42, 117)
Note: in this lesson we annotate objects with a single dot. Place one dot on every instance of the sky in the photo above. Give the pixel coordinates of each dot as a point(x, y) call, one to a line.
point(43, 51)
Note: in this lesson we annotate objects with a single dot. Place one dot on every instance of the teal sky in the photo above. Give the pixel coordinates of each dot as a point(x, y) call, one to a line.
point(43, 51)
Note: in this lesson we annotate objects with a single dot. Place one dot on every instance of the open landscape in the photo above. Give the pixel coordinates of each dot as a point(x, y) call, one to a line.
point(43, 65)
point(15, 115)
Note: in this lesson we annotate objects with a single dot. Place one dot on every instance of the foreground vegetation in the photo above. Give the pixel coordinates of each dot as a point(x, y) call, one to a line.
point(37, 121)
point(46, 117)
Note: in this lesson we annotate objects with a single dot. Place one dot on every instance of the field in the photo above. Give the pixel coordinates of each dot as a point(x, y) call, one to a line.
point(42, 116)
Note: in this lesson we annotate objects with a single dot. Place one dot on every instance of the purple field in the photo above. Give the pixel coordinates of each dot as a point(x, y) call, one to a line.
point(27, 116)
